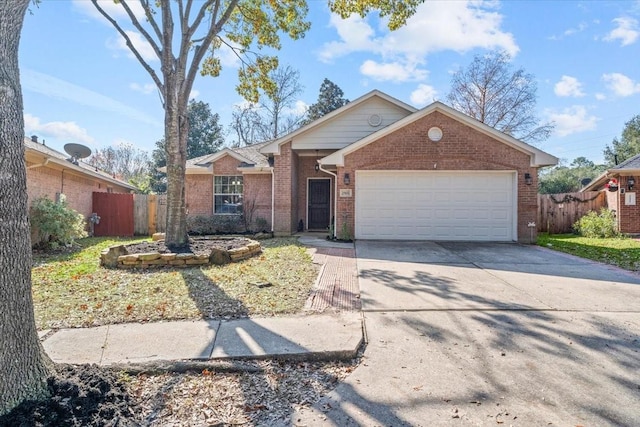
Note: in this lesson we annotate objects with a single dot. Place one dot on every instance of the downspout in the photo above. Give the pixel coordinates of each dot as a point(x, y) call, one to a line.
point(335, 196)
point(273, 198)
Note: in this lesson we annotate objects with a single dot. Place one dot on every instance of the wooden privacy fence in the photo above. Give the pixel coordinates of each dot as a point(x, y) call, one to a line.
point(558, 212)
point(149, 214)
point(116, 214)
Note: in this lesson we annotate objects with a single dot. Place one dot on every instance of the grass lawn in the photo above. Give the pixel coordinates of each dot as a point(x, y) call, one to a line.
point(622, 252)
point(72, 290)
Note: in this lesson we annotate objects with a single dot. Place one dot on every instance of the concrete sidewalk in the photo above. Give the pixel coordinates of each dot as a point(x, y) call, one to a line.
point(314, 337)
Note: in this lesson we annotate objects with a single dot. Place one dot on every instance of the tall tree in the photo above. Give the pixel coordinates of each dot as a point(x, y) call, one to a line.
point(491, 91)
point(186, 43)
point(24, 367)
point(275, 114)
point(627, 146)
point(205, 137)
point(330, 98)
point(202, 27)
point(124, 161)
point(568, 179)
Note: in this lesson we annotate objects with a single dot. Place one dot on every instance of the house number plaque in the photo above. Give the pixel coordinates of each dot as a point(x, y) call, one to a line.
point(345, 192)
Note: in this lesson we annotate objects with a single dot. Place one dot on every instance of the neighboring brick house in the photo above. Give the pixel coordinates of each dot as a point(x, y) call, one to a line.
point(621, 183)
point(378, 168)
point(50, 174)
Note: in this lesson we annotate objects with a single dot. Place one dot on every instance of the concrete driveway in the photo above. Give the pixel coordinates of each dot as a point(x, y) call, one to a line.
point(490, 334)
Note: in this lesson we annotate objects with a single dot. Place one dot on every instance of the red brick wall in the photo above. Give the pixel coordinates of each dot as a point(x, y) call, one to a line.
point(199, 194)
point(461, 148)
point(257, 188)
point(628, 215)
point(284, 206)
point(45, 181)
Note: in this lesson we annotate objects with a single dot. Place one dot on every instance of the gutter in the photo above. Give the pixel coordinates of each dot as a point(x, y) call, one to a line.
point(335, 196)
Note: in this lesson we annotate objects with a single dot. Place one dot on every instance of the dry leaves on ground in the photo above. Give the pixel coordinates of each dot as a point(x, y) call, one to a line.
point(266, 393)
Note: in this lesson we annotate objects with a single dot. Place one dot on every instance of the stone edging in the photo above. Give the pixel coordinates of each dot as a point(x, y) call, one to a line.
point(117, 257)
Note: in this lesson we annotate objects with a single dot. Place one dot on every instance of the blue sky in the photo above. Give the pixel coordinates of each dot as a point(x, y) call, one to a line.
point(80, 83)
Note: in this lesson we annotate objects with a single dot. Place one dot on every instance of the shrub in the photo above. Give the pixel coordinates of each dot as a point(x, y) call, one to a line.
point(214, 224)
point(55, 223)
point(594, 225)
point(261, 224)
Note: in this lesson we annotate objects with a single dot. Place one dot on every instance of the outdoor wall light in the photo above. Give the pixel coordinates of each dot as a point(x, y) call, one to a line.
point(528, 179)
point(631, 181)
point(317, 167)
point(347, 179)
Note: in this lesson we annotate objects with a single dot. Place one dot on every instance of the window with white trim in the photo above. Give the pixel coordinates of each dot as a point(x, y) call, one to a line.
point(227, 197)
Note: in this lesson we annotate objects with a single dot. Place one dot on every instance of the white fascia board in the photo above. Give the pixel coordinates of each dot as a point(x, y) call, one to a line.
point(226, 151)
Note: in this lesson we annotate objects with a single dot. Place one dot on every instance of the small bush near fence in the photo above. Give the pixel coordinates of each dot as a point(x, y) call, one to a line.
point(54, 223)
point(216, 224)
point(596, 225)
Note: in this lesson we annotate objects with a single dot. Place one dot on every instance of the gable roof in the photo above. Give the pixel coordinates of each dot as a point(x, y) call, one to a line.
point(249, 156)
point(629, 166)
point(538, 157)
point(53, 156)
point(273, 147)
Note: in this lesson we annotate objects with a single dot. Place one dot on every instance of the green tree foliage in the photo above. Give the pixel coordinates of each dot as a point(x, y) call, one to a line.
point(491, 91)
point(568, 179)
point(330, 98)
point(55, 223)
point(627, 146)
point(206, 136)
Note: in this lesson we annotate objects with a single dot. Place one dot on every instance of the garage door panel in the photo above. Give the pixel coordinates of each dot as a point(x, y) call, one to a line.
point(421, 205)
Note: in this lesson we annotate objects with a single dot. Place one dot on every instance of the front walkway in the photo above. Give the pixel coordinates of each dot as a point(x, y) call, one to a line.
point(336, 288)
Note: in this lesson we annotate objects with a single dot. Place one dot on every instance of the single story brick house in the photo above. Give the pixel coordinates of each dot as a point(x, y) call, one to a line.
point(50, 173)
point(620, 183)
point(378, 168)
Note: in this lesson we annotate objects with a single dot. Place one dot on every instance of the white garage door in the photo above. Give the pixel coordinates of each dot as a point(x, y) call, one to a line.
point(419, 205)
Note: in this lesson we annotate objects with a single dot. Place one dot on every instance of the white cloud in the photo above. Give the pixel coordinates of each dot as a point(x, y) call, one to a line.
point(627, 31)
point(114, 9)
point(300, 108)
point(392, 71)
point(146, 88)
point(572, 120)
point(139, 42)
point(423, 95)
point(436, 26)
point(66, 131)
point(194, 94)
point(601, 96)
point(568, 86)
point(56, 88)
point(620, 84)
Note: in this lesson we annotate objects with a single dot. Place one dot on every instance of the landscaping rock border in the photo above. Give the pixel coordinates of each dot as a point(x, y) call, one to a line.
point(118, 257)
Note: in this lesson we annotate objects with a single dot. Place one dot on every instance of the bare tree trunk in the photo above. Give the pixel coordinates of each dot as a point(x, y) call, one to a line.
point(24, 367)
point(176, 132)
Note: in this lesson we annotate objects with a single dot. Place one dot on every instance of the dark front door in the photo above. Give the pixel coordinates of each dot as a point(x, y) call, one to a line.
point(319, 204)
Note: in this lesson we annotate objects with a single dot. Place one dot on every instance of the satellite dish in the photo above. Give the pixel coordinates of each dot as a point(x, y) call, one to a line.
point(77, 151)
point(585, 181)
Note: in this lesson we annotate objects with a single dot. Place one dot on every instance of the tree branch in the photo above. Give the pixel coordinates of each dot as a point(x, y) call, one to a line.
point(214, 29)
point(135, 52)
point(139, 27)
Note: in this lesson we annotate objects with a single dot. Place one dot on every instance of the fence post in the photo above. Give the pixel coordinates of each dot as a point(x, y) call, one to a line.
point(152, 202)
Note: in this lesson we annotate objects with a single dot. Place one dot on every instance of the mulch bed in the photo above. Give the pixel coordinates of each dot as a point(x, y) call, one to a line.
point(197, 246)
point(84, 395)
